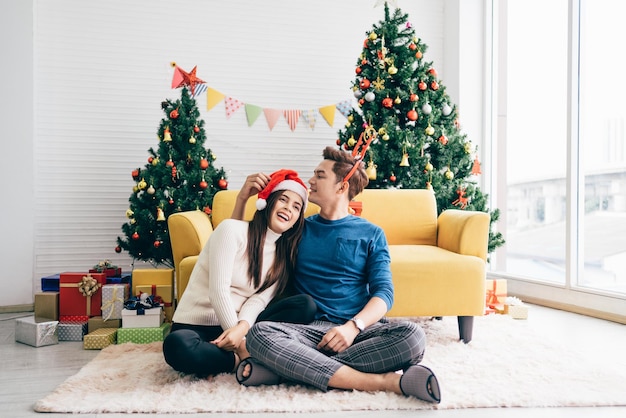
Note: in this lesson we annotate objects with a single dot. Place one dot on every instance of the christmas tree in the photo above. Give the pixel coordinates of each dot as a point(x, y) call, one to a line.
point(404, 109)
point(179, 176)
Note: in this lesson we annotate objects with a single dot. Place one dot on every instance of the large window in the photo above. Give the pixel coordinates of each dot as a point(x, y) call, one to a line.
point(562, 154)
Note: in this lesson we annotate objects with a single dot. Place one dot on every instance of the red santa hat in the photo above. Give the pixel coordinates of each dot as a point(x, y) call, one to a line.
point(283, 180)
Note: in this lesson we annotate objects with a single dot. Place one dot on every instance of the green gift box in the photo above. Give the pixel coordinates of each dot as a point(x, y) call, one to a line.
point(143, 335)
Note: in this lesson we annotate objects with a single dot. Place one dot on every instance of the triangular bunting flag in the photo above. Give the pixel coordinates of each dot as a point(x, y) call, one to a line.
point(232, 105)
point(309, 117)
point(213, 97)
point(345, 107)
point(292, 117)
point(271, 115)
point(199, 90)
point(328, 112)
point(252, 113)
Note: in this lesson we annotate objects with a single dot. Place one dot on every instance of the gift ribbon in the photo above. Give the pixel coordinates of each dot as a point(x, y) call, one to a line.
point(49, 329)
point(111, 303)
point(492, 297)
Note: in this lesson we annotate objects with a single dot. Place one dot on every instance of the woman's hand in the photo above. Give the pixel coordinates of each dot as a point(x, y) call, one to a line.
point(253, 185)
point(232, 338)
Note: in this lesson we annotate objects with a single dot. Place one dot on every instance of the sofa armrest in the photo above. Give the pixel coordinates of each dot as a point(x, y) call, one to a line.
point(464, 232)
point(189, 231)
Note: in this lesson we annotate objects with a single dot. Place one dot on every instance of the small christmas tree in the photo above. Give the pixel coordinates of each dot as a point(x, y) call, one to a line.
point(178, 176)
point(419, 143)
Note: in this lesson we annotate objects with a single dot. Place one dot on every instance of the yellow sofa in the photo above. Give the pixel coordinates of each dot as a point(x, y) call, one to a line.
point(438, 262)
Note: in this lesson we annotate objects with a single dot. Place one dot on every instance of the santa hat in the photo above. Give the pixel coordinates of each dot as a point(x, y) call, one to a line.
point(283, 180)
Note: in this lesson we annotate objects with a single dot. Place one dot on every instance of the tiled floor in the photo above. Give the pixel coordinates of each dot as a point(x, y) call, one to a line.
point(28, 374)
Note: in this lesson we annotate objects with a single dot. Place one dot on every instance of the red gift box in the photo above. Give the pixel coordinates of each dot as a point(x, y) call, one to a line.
point(75, 298)
point(112, 272)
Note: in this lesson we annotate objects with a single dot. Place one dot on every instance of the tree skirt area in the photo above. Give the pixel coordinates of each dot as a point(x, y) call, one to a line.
point(506, 364)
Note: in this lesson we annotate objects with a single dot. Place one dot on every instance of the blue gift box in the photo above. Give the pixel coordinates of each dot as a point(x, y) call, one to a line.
point(50, 283)
point(124, 278)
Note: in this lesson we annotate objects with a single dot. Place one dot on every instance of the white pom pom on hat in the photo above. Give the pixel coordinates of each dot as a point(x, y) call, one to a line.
point(283, 180)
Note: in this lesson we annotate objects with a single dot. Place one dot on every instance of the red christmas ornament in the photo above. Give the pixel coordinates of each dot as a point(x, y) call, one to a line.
point(361, 101)
point(207, 210)
point(412, 114)
point(174, 114)
point(365, 43)
point(443, 140)
point(365, 84)
point(150, 159)
point(363, 61)
point(434, 85)
point(412, 46)
point(204, 184)
point(171, 201)
point(204, 164)
point(358, 70)
point(432, 72)
point(414, 97)
point(422, 86)
point(392, 178)
point(387, 102)
point(338, 141)
point(135, 173)
point(196, 129)
point(135, 236)
point(169, 163)
point(222, 184)
point(157, 244)
point(118, 249)
point(418, 54)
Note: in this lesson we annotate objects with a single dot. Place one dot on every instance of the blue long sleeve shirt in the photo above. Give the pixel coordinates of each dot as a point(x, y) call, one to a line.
point(342, 264)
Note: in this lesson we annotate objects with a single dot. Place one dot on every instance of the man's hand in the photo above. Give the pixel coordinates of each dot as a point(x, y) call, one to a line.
point(339, 338)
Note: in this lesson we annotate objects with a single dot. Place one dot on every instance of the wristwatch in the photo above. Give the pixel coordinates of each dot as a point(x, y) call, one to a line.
point(359, 323)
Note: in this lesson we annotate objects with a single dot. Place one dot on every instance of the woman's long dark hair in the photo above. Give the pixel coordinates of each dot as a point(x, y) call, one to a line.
point(286, 248)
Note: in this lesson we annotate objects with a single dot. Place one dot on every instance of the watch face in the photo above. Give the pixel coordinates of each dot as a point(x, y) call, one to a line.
point(359, 324)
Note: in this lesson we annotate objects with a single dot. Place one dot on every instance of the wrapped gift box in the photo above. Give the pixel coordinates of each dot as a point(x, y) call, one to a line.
point(73, 318)
point(98, 322)
point(36, 332)
point(496, 295)
point(113, 297)
point(515, 308)
point(47, 305)
point(100, 338)
point(109, 272)
point(71, 299)
point(143, 335)
point(72, 331)
point(50, 283)
point(142, 318)
point(142, 277)
point(160, 292)
point(124, 278)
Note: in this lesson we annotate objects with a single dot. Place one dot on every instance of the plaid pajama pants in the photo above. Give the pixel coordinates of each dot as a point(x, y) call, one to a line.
point(290, 349)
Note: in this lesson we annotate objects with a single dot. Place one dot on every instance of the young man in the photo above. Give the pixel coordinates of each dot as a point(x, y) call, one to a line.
point(343, 264)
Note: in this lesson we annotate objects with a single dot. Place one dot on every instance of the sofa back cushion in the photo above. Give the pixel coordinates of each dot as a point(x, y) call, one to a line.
point(408, 216)
point(224, 202)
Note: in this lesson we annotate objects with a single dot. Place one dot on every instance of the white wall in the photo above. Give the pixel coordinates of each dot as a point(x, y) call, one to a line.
point(101, 70)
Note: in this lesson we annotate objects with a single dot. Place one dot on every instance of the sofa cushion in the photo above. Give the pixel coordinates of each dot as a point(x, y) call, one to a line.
point(408, 216)
point(431, 281)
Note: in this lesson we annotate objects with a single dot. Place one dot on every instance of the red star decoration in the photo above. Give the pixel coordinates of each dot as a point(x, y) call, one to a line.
point(183, 78)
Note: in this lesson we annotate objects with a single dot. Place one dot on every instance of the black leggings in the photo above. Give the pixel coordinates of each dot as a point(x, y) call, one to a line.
point(188, 349)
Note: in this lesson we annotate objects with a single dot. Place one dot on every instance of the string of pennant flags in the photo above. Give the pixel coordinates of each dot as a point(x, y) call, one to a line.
point(198, 87)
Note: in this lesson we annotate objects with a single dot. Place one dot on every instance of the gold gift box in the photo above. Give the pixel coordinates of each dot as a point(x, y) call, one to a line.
point(100, 338)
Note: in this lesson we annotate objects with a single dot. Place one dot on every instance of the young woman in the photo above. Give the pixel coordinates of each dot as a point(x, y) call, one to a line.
point(240, 269)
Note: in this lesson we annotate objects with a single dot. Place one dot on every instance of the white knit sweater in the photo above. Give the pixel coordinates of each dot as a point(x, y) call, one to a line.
point(219, 292)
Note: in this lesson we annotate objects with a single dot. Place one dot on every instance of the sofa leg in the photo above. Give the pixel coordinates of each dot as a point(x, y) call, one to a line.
point(466, 326)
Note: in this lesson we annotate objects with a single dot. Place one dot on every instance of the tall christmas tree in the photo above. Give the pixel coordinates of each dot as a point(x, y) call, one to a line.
point(418, 142)
point(179, 176)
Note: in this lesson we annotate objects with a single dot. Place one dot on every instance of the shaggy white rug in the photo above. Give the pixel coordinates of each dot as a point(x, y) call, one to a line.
point(505, 365)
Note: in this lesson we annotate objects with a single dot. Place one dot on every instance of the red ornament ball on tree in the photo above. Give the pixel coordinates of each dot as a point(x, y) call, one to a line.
point(196, 129)
point(358, 70)
point(222, 184)
point(157, 244)
point(412, 46)
point(135, 173)
point(174, 114)
point(204, 184)
point(204, 164)
point(392, 178)
point(414, 97)
point(434, 85)
point(207, 210)
point(135, 236)
point(422, 86)
point(387, 102)
point(365, 84)
point(118, 249)
point(412, 114)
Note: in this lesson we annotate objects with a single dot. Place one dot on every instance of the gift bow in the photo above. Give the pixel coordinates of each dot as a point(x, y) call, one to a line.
point(136, 304)
point(87, 287)
point(492, 297)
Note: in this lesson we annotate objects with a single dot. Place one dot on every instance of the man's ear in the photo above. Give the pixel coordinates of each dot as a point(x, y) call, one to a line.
point(345, 186)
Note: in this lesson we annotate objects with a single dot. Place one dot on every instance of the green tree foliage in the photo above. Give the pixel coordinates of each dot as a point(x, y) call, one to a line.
point(419, 142)
point(180, 175)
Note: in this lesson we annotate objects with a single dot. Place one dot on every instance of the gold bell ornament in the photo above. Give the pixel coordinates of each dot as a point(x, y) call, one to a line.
point(167, 136)
point(160, 215)
point(405, 160)
point(371, 170)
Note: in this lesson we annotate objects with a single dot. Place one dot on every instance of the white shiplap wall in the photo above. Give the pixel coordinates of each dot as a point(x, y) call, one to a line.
point(102, 69)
